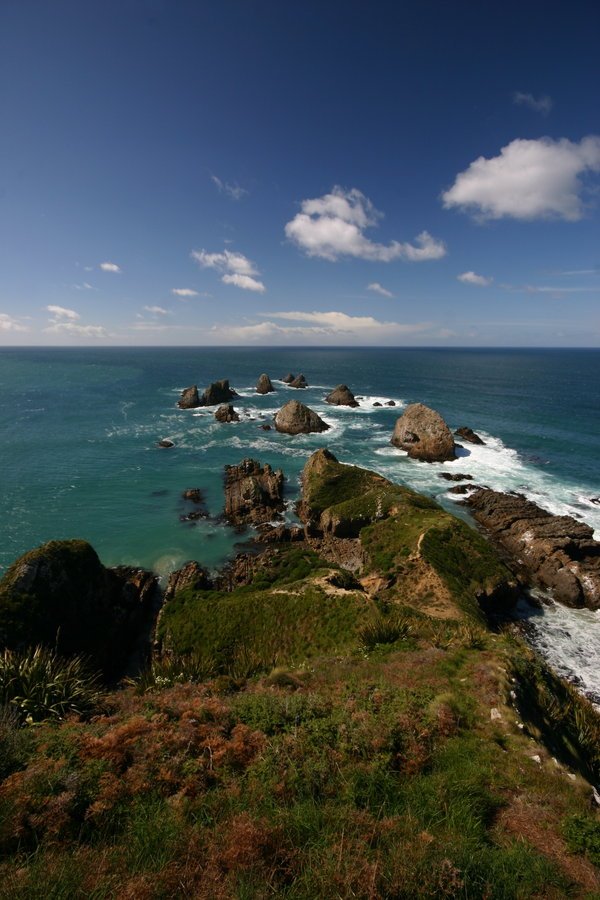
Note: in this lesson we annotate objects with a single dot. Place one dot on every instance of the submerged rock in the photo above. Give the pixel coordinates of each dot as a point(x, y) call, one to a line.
point(217, 392)
point(189, 398)
point(264, 385)
point(467, 434)
point(299, 382)
point(253, 493)
point(341, 396)
point(296, 418)
point(227, 413)
point(424, 435)
point(555, 552)
point(166, 443)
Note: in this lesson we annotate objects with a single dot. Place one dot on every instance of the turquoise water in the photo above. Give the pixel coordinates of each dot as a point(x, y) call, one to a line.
point(80, 427)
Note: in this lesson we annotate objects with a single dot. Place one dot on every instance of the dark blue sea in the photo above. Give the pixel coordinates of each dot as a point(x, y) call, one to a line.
point(80, 430)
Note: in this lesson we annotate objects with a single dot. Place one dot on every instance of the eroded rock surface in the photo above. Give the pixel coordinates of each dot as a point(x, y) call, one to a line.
point(253, 493)
point(191, 575)
point(555, 552)
point(424, 435)
point(296, 418)
point(341, 396)
point(227, 413)
point(189, 398)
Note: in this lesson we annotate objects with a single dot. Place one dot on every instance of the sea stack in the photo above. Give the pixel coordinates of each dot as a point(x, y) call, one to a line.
point(424, 435)
point(264, 385)
point(189, 398)
point(299, 382)
point(296, 418)
point(341, 396)
point(226, 413)
point(217, 392)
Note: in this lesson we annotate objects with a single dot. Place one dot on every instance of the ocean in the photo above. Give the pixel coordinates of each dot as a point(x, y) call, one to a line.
point(80, 459)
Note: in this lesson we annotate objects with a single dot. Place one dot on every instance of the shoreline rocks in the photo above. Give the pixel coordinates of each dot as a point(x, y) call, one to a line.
point(467, 434)
point(554, 552)
point(191, 575)
point(342, 396)
point(424, 435)
point(296, 418)
point(253, 493)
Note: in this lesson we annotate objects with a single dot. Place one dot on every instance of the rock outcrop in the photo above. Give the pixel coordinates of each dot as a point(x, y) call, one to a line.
point(424, 435)
point(264, 385)
point(60, 595)
point(189, 398)
point(287, 379)
point(165, 443)
point(455, 476)
point(298, 382)
point(253, 493)
point(554, 552)
point(296, 418)
point(467, 434)
point(191, 575)
point(227, 413)
point(217, 392)
point(341, 396)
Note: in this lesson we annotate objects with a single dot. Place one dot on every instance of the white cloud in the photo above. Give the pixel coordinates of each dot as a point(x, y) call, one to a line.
point(79, 330)
point(61, 313)
point(333, 226)
point(542, 105)
point(530, 179)
point(110, 267)
point(379, 289)
point(184, 292)
point(157, 310)
point(9, 323)
point(473, 278)
point(236, 268)
point(86, 286)
point(232, 190)
point(246, 282)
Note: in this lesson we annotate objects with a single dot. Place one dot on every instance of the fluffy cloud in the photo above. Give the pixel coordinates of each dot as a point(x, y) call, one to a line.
point(184, 292)
point(236, 268)
point(110, 267)
point(473, 278)
point(333, 226)
point(537, 179)
point(59, 312)
point(157, 310)
point(542, 105)
point(379, 289)
point(8, 323)
point(232, 190)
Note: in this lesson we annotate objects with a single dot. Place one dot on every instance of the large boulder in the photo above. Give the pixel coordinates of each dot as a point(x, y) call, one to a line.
point(217, 392)
point(226, 413)
point(424, 435)
point(253, 493)
point(341, 396)
point(60, 595)
point(296, 418)
point(189, 398)
point(264, 385)
point(555, 552)
point(299, 382)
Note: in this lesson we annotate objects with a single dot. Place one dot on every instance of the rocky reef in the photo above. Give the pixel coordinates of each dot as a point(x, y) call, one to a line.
point(554, 552)
point(296, 418)
point(424, 435)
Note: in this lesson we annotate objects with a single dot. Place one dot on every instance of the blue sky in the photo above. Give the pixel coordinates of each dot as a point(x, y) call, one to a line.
point(334, 173)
